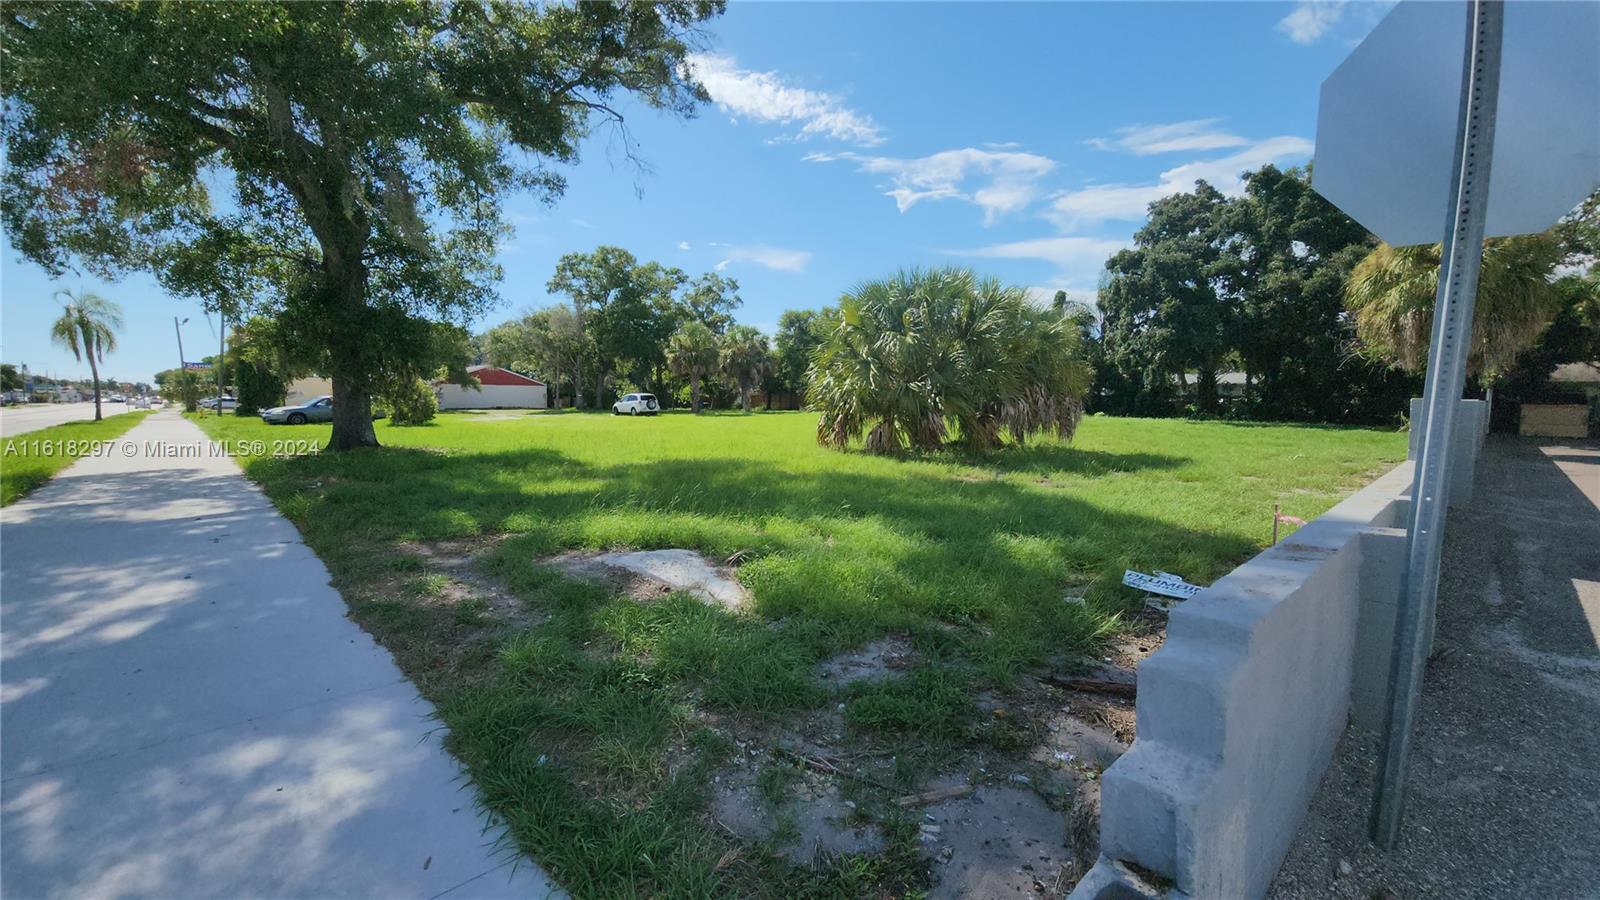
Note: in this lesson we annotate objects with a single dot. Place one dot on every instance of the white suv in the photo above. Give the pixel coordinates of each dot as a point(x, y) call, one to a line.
point(636, 405)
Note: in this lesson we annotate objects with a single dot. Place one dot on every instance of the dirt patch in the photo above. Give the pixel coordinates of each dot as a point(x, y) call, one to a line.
point(801, 812)
point(651, 574)
point(458, 561)
point(1079, 744)
point(886, 658)
point(1125, 654)
point(1000, 841)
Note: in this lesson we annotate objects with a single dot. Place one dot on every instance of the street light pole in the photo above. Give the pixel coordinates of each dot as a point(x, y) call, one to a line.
point(183, 367)
point(179, 332)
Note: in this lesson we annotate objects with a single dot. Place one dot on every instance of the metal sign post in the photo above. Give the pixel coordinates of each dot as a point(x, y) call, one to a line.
point(1447, 370)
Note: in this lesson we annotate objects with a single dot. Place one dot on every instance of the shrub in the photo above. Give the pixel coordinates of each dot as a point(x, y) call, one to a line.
point(931, 357)
point(259, 388)
point(183, 387)
point(411, 401)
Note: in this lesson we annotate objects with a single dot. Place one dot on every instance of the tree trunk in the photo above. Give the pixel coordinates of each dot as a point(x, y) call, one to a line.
point(352, 394)
point(1205, 392)
point(744, 397)
point(577, 381)
point(352, 416)
point(694, 392)
point(94, 372)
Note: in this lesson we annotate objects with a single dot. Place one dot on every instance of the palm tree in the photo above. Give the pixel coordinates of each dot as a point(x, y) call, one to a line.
point(693, 352)
point(918, 354)
point(1392, 291)
point(746, 358)
point(88, 327)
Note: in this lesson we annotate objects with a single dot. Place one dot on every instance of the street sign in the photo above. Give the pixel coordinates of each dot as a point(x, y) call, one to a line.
point(1386, 124)
point(1506, 144)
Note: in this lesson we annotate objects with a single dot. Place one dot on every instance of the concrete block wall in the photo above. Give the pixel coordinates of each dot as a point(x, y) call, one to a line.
point(1383, 563)
point(1240, 710)
point(1472, 426)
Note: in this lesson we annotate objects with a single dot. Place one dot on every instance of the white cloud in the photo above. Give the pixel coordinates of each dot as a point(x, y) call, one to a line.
point(1191, 136)
point(1066, 251)
point(1078, 260)
point(1311, 19)
point(764, 96)
point(775, 258)
point(1099, 203)
point(1006, 180)
point(683, 245)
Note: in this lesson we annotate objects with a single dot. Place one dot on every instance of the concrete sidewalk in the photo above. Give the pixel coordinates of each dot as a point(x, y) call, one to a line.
point(187, 711)
point(1504, 791)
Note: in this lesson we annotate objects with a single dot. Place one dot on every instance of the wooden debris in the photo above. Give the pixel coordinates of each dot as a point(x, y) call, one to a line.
point(934, 796)
point(828, 767)
point(1122, 689)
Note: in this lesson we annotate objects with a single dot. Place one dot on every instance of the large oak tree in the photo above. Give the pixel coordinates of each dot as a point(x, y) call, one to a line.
point(340, 165)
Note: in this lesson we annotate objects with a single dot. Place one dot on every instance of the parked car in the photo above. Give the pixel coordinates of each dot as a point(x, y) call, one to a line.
point(636, 405)
point(318, 410)
point(141, 403)
point(211, 403)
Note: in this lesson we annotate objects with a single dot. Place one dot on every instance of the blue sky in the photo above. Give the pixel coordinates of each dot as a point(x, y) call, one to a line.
point(848, 140)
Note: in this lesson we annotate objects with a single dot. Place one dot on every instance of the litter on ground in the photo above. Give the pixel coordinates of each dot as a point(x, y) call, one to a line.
point(1164, 583)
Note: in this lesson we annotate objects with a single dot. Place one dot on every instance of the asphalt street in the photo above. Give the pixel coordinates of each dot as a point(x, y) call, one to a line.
point(15, 420)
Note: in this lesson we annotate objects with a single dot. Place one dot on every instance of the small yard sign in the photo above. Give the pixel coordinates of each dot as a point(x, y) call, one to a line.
point(1164, 583)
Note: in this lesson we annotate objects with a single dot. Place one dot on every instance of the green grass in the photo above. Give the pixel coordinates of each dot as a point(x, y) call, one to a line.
point(593, 726)
point(31, 459)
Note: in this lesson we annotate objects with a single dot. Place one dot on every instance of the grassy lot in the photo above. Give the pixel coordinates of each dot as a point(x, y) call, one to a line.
point(29, 460)
point(593, 723)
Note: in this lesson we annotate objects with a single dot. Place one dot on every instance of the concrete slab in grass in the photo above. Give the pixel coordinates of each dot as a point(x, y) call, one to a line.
point(678, 570)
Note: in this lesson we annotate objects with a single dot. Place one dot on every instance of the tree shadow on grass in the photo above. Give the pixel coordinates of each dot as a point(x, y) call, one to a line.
point(1050, 458)
point(862, 551)
point(1308, 426)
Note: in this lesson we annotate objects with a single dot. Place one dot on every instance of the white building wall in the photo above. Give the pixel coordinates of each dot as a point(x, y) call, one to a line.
point(302, 390)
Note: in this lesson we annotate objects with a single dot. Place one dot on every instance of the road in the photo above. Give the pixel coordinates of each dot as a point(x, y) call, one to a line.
point(15, 420)
point(187, 711)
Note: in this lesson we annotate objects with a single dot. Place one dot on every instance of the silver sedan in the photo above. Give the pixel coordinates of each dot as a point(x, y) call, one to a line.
point(318, 410)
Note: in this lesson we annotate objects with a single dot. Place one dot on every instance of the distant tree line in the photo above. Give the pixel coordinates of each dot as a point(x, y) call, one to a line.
point(1253, 285)
point(919, 361)
point(1323, 322)
point(641, 326)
